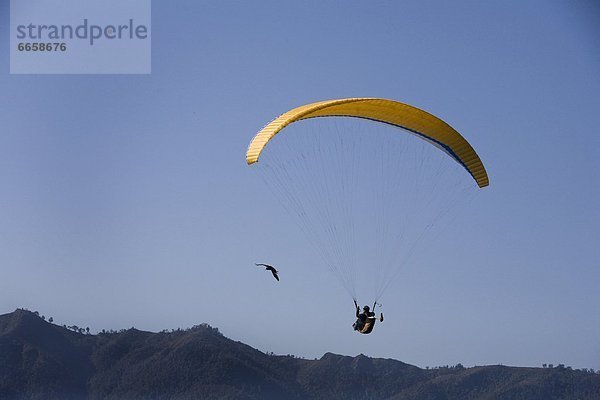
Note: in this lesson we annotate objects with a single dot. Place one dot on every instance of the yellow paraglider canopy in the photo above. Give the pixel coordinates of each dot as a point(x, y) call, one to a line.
point(405, 116)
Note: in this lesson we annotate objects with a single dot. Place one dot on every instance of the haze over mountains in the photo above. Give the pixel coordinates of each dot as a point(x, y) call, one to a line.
point(40, 360)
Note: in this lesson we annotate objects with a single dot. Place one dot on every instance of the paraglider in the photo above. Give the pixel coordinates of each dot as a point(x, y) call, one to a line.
point(366, 197)
point(410, 118)
point(365, 321)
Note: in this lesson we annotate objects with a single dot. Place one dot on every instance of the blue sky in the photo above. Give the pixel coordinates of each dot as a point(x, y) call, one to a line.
point(125, 200)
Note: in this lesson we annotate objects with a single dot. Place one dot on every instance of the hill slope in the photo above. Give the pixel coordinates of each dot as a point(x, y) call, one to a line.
point(39, 360)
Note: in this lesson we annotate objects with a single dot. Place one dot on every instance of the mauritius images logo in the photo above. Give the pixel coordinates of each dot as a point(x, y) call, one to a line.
point(75, 37)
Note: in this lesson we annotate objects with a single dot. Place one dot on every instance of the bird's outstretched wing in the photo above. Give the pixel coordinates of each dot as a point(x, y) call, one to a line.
point(264, 265)
point(274, 272)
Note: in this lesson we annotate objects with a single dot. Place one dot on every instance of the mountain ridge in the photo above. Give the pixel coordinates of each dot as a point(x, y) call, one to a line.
point(40, 360)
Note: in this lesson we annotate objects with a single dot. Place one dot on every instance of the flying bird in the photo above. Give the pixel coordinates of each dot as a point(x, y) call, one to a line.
point(270, 268)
